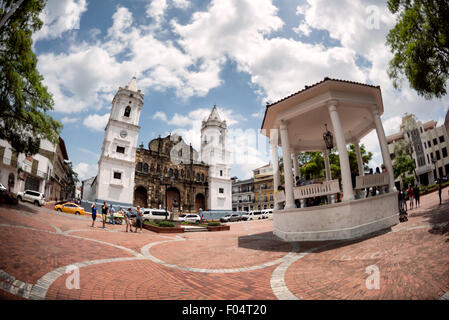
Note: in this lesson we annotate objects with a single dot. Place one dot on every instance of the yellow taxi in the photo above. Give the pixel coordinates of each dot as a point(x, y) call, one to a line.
point(70, 207)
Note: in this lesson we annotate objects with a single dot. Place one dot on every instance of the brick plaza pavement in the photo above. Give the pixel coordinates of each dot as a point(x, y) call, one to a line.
point(247, 262)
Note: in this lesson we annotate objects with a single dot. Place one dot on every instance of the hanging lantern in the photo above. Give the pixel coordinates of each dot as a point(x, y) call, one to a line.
point(328, 139)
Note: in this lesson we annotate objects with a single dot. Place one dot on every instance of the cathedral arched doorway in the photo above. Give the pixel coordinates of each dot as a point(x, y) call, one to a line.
point(200, 202)
point(140, 197)
point(172, 195)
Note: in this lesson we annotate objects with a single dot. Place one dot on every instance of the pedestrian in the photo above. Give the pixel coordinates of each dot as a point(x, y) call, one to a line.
point(410, 196)
point(111, 214)
point(403, 200)
point(200, 214)
point(127, 215)
point(139, 216)
point(416, 193)
point(94, 214)
point(298, 181)
point(439, 189)
point(104, 212)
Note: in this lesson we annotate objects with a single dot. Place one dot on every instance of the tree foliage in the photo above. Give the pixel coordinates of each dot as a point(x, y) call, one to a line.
point(420, 44)
point(24, 100)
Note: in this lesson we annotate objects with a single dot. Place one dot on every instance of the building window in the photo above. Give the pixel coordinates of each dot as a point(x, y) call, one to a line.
point(139, 166)
point(198, 177)
point(121, 150)
point(145, 167)
point(202, 177)
point(220, 190)
point(438, 154)
point(428, 159)
point(444, 151)
point(170, 173)
point(425, 145)
point(176, 173)
point(117, 175)
point(221, 173)
point(420, 128)
point(435, 141)
point(441, 139)
point(127, 111)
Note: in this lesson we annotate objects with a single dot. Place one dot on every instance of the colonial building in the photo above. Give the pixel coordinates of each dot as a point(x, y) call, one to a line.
point(114, 182)
point(169, 173)
point(243, 195)
point(46, 172)
point(263, 187)
point(214, 153)
point(426, 143)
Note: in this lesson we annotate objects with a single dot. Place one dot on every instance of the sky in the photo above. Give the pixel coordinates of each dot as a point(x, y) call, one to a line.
point(190, 55)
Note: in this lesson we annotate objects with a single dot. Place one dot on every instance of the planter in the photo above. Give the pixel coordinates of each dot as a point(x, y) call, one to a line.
point(218, 228)
point(163, 229)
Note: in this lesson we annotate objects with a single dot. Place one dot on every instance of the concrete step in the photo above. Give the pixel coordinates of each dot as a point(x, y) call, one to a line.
point(194, 229)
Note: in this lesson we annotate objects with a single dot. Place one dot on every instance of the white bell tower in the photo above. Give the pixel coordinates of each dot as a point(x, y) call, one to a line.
point(116, 167)
point(214, 153)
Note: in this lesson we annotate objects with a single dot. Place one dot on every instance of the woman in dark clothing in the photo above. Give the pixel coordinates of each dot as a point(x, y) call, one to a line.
point(416, 193)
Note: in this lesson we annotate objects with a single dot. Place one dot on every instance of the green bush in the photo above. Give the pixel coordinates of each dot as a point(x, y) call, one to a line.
point(214, 224)
point(164, 223)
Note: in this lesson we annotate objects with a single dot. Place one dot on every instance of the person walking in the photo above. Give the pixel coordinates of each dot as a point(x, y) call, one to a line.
point(111, 214)
point(94, 214)
point(410, 196)
point(439, 189)
point(139, 219)
point(104, 212)
point(128, 220)
point(416, 193)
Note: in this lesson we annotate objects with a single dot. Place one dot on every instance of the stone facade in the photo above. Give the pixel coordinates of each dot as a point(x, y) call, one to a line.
point(170, 164)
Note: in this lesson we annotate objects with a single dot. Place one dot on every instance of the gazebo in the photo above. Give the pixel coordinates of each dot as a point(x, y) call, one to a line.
point(330, 113)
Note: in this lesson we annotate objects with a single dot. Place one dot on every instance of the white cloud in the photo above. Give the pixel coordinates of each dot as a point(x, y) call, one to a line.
point(182, 4)
point(66, 120)
point(96, 122)
point(60, 16)
point(85, 170)
point(160, 115)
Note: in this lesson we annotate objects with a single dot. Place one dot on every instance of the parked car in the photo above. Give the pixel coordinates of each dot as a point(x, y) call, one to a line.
point(32, 196)
point(2, 188)
point(190, 218)
point(70, 207)
point(253, 215)
point(231, 217)
point(267, 213)
point(155, 214)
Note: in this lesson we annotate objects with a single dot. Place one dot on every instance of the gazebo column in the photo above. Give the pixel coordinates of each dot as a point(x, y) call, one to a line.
point(359, 158)
point(327, 165)
point(383, 147)
point(295, 165)
point(289, 197)
point(274, 138)
point(348, 193)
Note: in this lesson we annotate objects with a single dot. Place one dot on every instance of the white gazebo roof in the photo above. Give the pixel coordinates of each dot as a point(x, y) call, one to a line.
point(306, 112)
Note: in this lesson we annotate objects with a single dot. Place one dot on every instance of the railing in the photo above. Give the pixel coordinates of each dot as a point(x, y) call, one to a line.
point(372, 180)
point(317, 189)
point(311, 191)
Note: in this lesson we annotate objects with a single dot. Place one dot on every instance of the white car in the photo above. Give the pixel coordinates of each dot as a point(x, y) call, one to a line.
point(268, 213)
point(155, 214)
point(32, 196)
point(2, 188)
point(190, 218)
point(253, 215)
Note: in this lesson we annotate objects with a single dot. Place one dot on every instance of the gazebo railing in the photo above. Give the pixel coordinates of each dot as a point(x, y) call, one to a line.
point(371, 180)
point(310, 191)
point(317, 190)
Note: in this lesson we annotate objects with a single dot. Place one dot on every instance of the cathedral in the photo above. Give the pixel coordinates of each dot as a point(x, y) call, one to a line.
point(169, 173)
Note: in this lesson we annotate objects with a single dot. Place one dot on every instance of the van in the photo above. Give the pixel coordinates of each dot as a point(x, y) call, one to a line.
point(267, 213)
point(253, 215)
point(155, 214)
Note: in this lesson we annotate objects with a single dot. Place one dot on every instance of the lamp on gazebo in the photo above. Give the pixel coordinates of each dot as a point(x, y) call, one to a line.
point(328, 139)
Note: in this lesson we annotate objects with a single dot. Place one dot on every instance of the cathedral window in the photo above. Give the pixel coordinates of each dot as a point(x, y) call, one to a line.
point(127, 111)
point(139, 166)
point(202, 177)
point(197, 177)
point(117, 175)
point(220, 190)
point(176, 173)
point(221, 173)
point(170, 173)
point(120, 149)
point(145, 167)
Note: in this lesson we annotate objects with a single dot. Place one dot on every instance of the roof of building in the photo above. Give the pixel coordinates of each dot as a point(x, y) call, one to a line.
point(132, 85)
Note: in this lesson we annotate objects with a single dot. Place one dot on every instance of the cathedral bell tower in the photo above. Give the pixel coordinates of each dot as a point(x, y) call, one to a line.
point(214, 153)
point(116, 167)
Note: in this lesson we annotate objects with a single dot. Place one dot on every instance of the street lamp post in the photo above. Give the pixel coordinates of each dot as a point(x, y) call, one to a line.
point(434, 161)
point(161, 178)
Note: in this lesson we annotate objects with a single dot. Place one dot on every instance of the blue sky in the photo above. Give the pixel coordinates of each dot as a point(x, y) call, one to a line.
point(190, 55)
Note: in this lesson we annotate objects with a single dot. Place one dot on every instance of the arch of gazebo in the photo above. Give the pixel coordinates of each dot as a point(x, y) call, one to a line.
point(349, 111)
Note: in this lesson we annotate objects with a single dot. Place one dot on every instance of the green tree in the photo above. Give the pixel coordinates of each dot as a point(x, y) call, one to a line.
point(24, 100)
point(420, 44)
point(73, 179)
point(403, 166)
